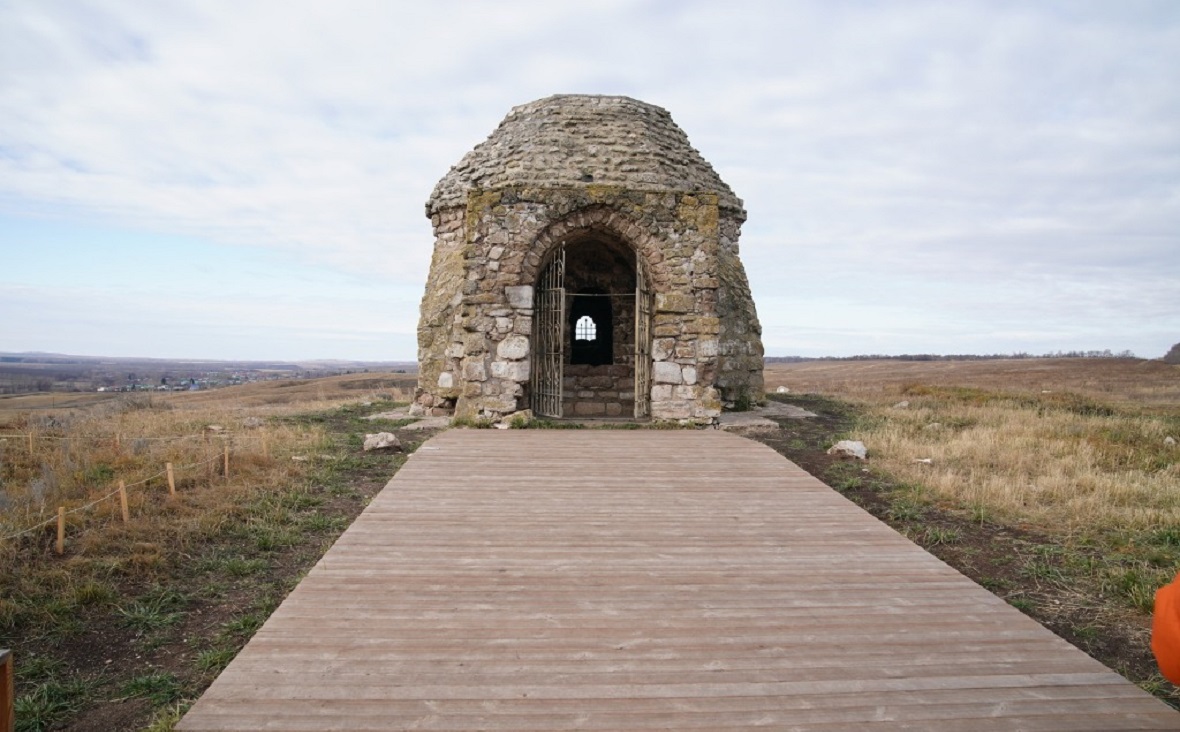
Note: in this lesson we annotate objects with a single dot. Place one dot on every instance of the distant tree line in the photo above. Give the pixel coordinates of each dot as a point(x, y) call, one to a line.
point(1173, 355)
point(1107, 353)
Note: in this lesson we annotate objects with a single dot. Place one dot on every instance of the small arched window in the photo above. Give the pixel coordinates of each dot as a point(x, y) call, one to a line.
point(585, 329)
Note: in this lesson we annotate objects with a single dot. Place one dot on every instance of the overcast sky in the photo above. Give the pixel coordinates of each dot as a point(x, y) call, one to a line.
point(246, 180)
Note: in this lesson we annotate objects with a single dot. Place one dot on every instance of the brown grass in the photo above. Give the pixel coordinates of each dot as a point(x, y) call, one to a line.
point(79, 455)
point(1065, 444)
point(133, 581)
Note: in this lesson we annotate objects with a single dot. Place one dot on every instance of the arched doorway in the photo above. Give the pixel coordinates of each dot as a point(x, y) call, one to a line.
point(592, 331)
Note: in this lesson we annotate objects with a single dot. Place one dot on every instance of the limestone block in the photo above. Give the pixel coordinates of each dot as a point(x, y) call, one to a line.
point(663, 348)
point(709, 325)
point(614, 409)
point(520, 297)
point(708, 347)
point(523, 325)
point(686, 393)
point(474, 344)
point(503, 325)
point(671, 410)
point(689, 374)
point(674, 302)
point(513, 348)
point(455, 350)
point(511, 370)
point(446, 380)
point(474, 371)
point(666, 372)
point(661, 393)
point(589, 409)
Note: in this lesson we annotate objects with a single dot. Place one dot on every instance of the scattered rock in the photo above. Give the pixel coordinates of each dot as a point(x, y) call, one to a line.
point(901, 405)
point(782, 390)
point(382, 441)
point(516, 419)
point(299, 458)
point(253, 422)
point(1169, 440)
point(924, 461)
point(850, 448)
point(933, 426)
point(214, 428)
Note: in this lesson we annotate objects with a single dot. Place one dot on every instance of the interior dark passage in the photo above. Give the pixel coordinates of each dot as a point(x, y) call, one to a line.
point(600, 328)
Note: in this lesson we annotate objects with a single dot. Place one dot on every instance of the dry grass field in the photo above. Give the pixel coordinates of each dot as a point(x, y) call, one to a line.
point(1140, 384)
point(1053, 482)
point(135, 616)
point(1065, 444)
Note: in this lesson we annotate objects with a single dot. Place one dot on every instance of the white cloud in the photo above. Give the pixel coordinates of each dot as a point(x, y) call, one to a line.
point(975, 158)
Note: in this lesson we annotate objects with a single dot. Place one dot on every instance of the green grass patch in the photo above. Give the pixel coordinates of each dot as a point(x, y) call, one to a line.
point(159, 687)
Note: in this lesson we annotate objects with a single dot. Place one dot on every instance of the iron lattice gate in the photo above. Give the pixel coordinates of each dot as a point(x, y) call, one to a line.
point(642, 341)
point(548, 374)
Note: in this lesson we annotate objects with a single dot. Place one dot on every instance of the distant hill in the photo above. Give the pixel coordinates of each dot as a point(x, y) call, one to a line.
point(953, 357)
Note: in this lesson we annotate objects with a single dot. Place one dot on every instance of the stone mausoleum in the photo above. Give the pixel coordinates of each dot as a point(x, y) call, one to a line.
point(586, 265)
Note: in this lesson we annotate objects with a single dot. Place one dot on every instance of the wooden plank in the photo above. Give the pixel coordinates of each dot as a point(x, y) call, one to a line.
point(547, 580)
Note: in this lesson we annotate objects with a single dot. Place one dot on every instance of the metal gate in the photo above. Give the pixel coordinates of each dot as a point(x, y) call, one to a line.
point(549, 338)
point(643, 308)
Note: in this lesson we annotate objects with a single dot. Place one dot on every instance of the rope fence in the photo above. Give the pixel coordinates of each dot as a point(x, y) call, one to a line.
point(169, 473)
point(120, 437)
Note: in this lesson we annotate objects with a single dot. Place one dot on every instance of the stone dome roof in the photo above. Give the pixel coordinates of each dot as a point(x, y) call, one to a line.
point(572, 140)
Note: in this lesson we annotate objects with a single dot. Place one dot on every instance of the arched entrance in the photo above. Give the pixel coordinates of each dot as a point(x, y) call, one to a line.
point(592, 331)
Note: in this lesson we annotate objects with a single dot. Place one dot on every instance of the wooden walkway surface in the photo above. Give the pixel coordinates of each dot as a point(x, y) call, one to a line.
point(619, 580)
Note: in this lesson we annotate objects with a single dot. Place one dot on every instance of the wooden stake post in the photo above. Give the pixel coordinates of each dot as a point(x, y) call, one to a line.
point(226, 467)
point(61, 530)
point(123, 502)
point(7, 692)
point(171, 480)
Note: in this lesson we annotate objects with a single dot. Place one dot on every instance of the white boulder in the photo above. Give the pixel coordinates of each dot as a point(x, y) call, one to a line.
point(849, 448)
point(382, 441)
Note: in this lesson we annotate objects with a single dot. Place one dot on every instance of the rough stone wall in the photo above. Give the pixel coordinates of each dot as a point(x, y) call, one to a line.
point(740, 355)
point(599, 391)
point(443, 296)
point(485, 364)
point(569, 140)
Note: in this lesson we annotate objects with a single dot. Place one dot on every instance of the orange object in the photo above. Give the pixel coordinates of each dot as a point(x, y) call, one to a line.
point(1165, 630)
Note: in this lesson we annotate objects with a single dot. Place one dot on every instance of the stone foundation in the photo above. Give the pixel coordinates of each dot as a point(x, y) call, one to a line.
point(599, 391)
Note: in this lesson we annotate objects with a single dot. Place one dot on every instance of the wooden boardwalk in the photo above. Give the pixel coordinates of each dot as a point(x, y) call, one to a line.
point(611, 580)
